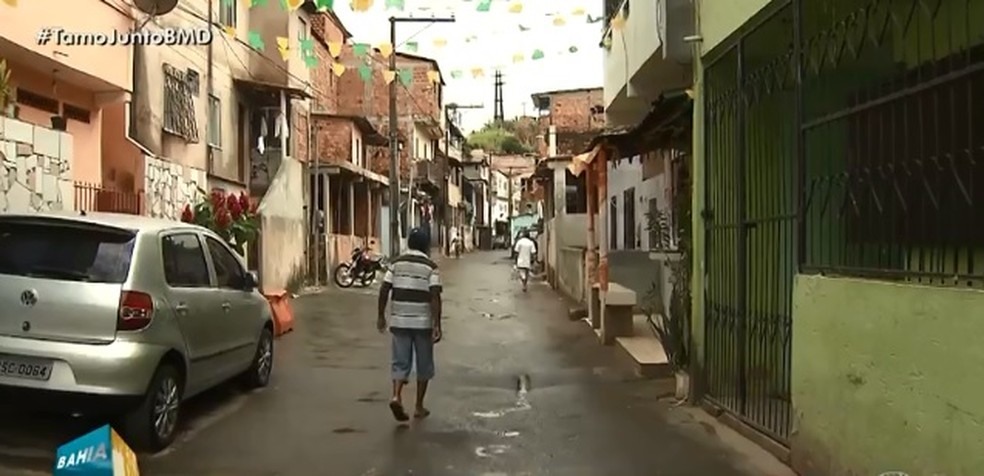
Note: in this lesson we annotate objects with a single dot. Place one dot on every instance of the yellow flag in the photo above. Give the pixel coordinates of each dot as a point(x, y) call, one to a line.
point(294, 4)
point(579, 11)
point(433, 76)
point(334, 48)
point(518, 58)
point(230, 31)
point(559, 21)
point(516, 7)
point(385, 49)
point(12, 3)
point(338, 69)
point(477, 72)
point(618, 22)
point(361, 5)
point(389, 76)
point(283, 46)
point(440, 42)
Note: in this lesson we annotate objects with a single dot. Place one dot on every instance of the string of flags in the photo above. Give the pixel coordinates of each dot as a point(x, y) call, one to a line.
point(305, 46)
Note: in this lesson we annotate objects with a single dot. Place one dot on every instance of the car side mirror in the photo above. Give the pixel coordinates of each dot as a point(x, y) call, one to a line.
point(252, 281)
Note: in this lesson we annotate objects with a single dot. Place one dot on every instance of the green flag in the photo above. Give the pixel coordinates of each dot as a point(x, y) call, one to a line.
point(456, 74)
point(258, 3)
point(325, 4)
point(537, 54)
point(307, 45)
point(256, 41)
point(406, 76)
point(360, 49)
point(395, 4)
point(311, 61)
point(412, 46)
point(484, 5)
point(365, 72)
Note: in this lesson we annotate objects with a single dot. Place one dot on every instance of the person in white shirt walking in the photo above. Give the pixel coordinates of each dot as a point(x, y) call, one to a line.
point(525, 256)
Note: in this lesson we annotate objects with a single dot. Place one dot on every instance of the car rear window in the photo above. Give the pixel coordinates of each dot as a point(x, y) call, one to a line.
point(65, 251)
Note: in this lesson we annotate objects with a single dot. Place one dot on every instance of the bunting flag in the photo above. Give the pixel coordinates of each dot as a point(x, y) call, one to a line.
point(294, 4)
point(365, 72)
point(256, 41)
point(334, 48)
point(537, 54)
point(307, 46)
point(578, 12)
point(360, 50)
point(440, 42)
point(395, 5)
point(361, 5)
point(516, 7)
point(389, 76)
point(385, 49)
point(257, 3)
point(12, 3)
point(412, 46)
point(406, 76)
point(559, 21)
point(518, 58)
point(324, 5)
point(283, 46)
point(433, 76)
point(484, 6)
point(230, 31)
point(478, 73)
point(338, 69)
point(618, 22)
point(456, 74)
point(311, 61)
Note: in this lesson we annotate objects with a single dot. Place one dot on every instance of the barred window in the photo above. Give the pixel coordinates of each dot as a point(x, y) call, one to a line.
point(179, 105)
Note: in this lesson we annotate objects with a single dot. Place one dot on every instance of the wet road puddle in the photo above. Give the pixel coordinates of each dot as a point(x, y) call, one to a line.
point(522, 402)
point(491, 450)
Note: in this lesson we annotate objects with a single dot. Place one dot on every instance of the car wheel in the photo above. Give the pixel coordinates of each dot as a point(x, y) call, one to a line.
point(258, 375)
point(153, 425)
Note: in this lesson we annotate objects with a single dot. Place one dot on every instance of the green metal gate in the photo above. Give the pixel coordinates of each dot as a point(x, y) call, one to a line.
point(751, 217)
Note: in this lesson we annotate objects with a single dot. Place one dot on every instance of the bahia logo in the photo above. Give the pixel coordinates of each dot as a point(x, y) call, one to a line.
point(83, 456)
point(100, 452)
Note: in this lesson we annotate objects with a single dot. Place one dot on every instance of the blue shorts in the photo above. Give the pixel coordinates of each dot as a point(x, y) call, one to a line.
point(410, 343)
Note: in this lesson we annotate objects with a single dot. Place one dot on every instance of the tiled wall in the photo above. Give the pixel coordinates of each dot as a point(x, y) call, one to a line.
point(170, 186)
point(35, 168)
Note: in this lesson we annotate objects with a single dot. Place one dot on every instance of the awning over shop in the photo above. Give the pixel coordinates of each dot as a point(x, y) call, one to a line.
point(337, 168)
point(265, 87)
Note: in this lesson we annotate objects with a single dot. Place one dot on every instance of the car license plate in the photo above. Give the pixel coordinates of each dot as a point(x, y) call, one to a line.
point(25, 368)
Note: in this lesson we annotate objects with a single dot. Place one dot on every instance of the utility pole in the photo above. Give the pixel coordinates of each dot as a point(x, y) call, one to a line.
point(509, 217)
point(394, 175)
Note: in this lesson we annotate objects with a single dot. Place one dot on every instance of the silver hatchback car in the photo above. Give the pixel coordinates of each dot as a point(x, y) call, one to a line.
point(127, 314)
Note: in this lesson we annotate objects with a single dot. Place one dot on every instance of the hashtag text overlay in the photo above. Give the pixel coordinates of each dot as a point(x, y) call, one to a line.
point(161, 37)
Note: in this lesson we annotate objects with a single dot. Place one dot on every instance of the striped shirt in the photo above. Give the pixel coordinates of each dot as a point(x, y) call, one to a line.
point(413, 277)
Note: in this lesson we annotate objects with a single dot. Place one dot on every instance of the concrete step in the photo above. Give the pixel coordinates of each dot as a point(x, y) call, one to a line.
point(644, 350)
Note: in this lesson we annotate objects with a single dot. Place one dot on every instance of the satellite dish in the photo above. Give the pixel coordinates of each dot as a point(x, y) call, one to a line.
point(155, 7)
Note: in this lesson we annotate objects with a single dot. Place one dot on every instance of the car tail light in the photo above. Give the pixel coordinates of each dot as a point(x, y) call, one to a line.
point(136, 310)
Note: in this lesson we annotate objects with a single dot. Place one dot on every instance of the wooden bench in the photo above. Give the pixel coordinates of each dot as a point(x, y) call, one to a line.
point(617, 309)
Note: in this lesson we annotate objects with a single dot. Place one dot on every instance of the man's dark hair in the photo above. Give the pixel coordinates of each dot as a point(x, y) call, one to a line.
point(419, 240)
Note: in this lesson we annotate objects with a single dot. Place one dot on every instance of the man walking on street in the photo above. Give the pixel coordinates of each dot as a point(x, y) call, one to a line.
point(415, 319)
point(525, 255)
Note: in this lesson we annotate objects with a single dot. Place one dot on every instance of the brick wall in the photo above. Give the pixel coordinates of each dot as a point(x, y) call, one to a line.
point(334, 139)
point(325, 30)
point(571, 111)
point(299, 134)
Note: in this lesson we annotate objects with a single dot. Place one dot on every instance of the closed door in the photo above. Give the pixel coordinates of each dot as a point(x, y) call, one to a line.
point(191, 298)
point(237, 305)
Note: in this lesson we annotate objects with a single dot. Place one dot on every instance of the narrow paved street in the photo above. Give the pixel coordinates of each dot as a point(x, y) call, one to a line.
point(583, 413)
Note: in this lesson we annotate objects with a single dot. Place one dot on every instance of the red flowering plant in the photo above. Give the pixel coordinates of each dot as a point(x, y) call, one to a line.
point(231, 216)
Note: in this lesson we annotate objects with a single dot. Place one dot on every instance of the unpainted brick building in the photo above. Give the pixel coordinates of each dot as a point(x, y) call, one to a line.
point(577, 114)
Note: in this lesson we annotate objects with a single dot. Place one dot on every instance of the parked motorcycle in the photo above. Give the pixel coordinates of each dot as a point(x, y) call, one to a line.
point(361, 269)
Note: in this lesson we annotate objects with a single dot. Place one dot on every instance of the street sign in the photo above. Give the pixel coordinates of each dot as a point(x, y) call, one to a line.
point(99, 453)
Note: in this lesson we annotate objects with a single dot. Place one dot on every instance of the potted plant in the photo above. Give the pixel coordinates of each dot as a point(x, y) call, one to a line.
point(672, 325)
point(233, 217)
point(8, 95)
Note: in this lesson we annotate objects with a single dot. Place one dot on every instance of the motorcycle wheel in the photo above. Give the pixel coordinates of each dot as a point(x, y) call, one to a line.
point(367, 278)
point(343, 276)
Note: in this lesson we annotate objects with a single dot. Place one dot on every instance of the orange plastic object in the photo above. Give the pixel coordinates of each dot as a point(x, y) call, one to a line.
point(283, 314)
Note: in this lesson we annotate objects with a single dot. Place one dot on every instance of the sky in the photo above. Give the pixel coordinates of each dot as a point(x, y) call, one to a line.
point(489, 39)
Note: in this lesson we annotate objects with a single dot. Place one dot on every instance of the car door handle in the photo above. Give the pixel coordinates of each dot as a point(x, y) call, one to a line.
point(226, 306)
point(181, 308)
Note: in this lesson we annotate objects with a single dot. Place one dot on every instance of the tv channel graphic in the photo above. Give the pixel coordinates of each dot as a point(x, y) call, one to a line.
point(100, 452)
